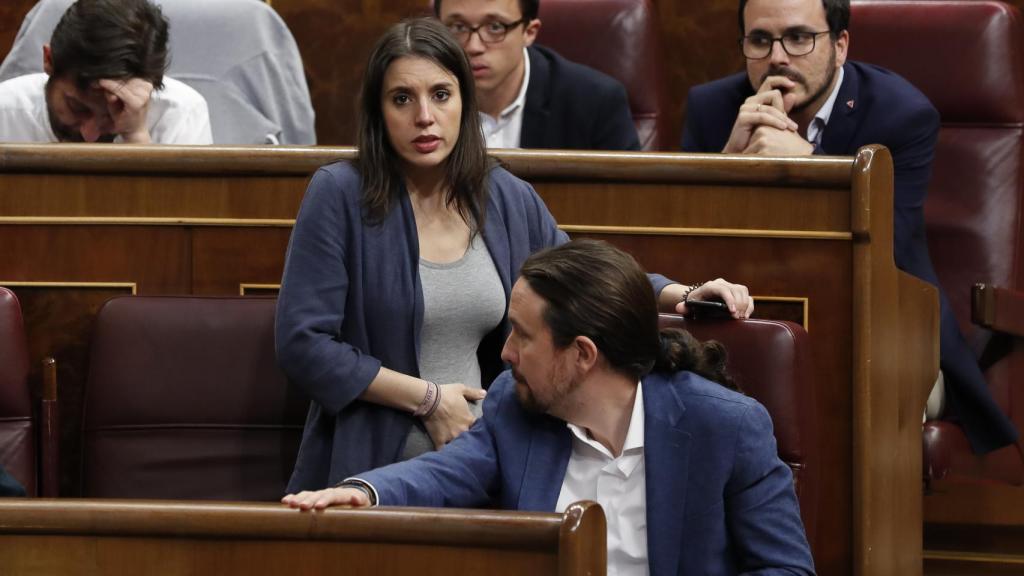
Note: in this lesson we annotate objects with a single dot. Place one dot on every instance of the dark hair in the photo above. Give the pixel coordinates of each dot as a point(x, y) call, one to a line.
point(837, 14)
point(467, 165)
point(117, 39)
point(529, 8)
point(595, 290)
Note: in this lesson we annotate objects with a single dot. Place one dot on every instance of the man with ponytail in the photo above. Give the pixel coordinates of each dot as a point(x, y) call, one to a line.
point(599, 405)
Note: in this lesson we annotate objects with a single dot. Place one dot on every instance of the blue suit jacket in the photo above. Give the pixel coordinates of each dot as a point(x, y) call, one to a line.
point(719, 500)
point(571, 106)
point(876, 106)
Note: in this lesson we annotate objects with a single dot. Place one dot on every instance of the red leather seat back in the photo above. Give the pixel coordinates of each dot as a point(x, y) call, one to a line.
point(966, 56)
point(17, 433)
point(184, 400)
point(770, 361)
point(621, 39)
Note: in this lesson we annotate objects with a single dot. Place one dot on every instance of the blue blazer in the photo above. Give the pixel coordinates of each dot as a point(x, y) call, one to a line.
point(571, 106)
point(876, 106)
point(719, 500)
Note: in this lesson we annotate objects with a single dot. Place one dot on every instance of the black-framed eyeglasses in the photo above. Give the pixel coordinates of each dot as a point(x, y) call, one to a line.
point(490, 32)
point(797, 43)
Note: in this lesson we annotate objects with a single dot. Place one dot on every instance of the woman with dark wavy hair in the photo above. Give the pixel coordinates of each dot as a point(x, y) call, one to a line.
point(392, 311)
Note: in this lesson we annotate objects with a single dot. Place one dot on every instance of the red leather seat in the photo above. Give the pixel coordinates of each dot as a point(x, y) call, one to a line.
point(17, 432)
point(966, 56)
point(184, 400)
point(621, 39)
point(770, 361)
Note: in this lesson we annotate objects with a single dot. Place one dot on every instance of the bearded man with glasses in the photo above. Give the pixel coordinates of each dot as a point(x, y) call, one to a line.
point(530, 96)
point(801, 96)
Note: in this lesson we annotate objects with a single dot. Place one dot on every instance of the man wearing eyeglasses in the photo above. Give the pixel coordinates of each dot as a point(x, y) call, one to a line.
point(529, 96)
point(801, 96)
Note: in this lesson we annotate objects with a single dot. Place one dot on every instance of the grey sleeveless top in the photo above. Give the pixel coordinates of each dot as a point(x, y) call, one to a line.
point(462, 302)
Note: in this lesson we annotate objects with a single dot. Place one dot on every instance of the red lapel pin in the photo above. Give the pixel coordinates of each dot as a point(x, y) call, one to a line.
point(849, 104)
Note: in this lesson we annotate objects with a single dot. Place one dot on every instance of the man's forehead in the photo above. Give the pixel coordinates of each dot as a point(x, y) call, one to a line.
point(92, 94)
point(524, 305)
point(784, 14)
point(480, 9)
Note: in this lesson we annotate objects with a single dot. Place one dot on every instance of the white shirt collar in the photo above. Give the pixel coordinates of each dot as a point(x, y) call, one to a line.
point(619, 485)
point(521, 97)
point(505, 130)
point(817, 126)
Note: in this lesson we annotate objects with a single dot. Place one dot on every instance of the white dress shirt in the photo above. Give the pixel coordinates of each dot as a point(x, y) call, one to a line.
point(504, 131)
point(817, 127)
point(617, 484)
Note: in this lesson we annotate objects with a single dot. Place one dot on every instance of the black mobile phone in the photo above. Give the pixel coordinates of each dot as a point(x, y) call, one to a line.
point(706, 309)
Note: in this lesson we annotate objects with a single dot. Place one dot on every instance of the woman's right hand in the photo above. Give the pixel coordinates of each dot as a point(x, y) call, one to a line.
point(453, 416)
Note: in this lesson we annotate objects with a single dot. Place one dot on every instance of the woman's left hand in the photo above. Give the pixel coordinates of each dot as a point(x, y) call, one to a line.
point(735, 296)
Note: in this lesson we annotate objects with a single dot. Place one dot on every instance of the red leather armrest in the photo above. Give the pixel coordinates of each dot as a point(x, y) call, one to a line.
point(998, 309)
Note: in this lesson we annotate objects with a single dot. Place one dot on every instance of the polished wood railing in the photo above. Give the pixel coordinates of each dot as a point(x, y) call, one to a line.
point(101, 537)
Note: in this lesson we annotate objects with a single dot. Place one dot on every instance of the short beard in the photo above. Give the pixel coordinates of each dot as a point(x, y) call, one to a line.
point(526, 398)
point(800, 79)
point(558, 397)
point(822, 90)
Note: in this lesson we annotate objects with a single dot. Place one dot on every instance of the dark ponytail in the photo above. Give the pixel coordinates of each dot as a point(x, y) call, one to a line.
point(679, 351)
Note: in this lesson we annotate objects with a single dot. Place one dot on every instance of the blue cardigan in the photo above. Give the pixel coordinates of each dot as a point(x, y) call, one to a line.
point(351, 301)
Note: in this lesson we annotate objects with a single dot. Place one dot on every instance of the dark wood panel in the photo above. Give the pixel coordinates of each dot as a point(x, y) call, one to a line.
point(119, 195)
point(665, 205)
point(89, 556)
point(155, 258)
point(973, 549)
point(965, 504)
point(224, 258)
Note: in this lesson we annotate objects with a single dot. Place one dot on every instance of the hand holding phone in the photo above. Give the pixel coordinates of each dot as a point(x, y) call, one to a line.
point(707, 309)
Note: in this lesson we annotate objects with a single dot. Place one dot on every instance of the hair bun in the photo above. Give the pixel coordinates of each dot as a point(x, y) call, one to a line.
point(679, 351)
